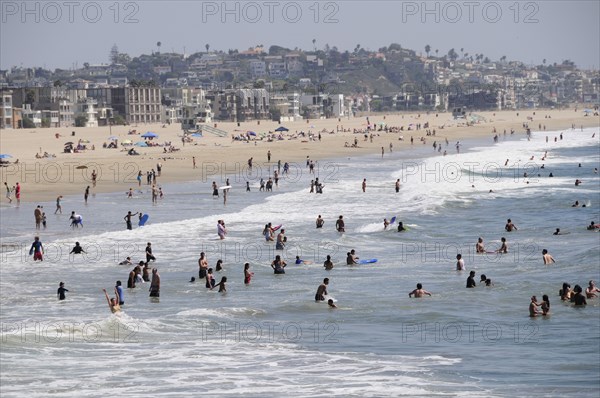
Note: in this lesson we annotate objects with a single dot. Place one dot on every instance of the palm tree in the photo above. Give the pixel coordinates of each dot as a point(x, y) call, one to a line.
point(158, 44)
point(207, 46)
point(503, 58)
point(462, 52)
point(436, 52)
point(314, 41)
point(427, 50)
point(544, 61)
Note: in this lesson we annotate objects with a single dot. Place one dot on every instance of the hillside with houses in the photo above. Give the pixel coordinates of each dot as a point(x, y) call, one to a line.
point(283, 84)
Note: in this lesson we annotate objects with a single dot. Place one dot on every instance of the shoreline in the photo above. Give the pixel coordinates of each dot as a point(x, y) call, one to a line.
point(219, 157)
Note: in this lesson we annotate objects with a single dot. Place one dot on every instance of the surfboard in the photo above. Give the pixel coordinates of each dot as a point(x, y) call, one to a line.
point(393, 220)
point(143, 220)
point(225, 187)
point(275, 228)
point(369, 261)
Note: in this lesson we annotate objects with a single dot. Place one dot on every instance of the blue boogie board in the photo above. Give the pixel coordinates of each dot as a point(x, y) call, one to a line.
point(369, 261)
point(393, 220)
point(143, 220)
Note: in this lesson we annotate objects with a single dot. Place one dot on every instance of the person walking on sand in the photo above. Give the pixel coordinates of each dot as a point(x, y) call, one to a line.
point(419, 291)
point(548, 259)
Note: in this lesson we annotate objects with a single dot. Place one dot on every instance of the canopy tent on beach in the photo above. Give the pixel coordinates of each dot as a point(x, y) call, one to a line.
point(150, 134)
point(280, 129)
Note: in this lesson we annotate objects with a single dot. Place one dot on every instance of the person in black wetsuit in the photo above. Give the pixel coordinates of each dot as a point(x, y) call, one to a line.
point(61, 291)
point(149, 255)
point(77, 249)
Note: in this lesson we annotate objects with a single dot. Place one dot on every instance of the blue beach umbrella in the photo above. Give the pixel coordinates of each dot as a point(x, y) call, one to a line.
point(251, 133)
point(150, 134)
point(141, 143)
point(279, 129)
point(5, 156)
point(197, 135)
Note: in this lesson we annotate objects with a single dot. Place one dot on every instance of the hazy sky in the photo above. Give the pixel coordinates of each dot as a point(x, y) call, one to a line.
point(58, 34)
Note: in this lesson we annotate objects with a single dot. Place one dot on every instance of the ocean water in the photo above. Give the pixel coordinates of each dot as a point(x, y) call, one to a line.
point(270, 338)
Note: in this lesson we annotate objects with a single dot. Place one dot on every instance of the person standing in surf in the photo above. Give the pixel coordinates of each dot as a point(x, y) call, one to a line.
point(548, 259)
point(37, 249)
point(247, 274)
point(320, 222)
point(155, 284)
point(61, 291)
point(127, 219)
point(322, 290)
point(202, 266)
point(509, 227)
point(339, 224)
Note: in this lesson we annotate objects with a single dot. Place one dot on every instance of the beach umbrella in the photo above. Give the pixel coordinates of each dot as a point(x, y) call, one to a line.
point(81, 167)
point(68, 143)
point(251, 133)
point(5, 156)
point(85, 141)
point(113, 138)
point(281, 129)
point(150, 134)
point(197, 135)
point(141, 143)
point(126, 142)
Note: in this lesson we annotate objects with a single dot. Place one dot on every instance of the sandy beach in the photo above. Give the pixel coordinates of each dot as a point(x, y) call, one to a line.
point(46, 178)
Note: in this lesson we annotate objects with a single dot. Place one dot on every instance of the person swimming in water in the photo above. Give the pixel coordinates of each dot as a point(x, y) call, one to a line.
point(548, 259)
point(401, 227)
point(419, 291)
point(247, 274)
point(328, 264)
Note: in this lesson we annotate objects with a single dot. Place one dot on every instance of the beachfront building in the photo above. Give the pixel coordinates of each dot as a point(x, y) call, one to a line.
point(87, 107)
point(238, 105)
point(35, 116)
point(134, 104)
point(6, 110)
point(66, 113)
point(287, 105)
point(50, 118)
